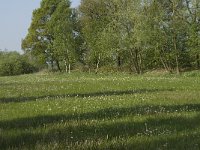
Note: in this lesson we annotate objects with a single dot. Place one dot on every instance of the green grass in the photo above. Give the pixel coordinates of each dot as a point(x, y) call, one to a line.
point(105, 111)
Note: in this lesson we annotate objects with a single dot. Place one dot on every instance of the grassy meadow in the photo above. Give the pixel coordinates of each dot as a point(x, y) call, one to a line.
point(104, 111)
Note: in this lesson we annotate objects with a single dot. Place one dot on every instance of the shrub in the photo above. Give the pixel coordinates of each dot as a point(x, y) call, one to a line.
point(12, 63)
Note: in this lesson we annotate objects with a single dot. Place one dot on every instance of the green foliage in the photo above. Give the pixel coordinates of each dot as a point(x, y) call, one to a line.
point(50, 37)
point(141, 34)
point(145, 34)
point(12, 63)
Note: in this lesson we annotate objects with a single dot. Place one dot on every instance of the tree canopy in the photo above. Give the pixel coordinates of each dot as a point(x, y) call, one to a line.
point(137, 34)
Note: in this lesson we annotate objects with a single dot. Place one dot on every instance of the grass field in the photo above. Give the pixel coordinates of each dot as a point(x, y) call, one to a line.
point(105, 111)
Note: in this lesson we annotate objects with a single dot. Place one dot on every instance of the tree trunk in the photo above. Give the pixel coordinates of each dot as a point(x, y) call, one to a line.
point(165, 65)
point(174, 39)
point(97, 65)
point(140, 63)
point(197, 61)
point(66, 68)
point(51, 64)
point(163, 61)
point(58, 65)
point(177, 65)
point(69, 70)
point(119, 61)
point(134, 60)
point(137, 62)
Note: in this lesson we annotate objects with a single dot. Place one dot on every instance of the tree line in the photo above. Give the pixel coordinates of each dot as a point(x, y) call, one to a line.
point(137, 35)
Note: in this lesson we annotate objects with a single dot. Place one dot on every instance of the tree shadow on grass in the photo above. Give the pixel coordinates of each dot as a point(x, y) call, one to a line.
point(72, 133)
point(81, 95)
point(102, 114)
point(189, 141)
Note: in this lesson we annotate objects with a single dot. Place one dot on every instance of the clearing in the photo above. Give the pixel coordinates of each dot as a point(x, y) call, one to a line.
point(105, 111)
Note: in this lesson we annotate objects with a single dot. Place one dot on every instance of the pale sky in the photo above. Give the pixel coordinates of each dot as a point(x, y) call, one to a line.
point(15, 19)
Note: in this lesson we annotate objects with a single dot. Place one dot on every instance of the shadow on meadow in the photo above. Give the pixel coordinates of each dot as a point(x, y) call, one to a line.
point(81, 95)
point(82, 127)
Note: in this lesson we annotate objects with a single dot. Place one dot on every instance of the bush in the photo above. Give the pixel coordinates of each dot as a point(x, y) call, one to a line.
point(12, 63)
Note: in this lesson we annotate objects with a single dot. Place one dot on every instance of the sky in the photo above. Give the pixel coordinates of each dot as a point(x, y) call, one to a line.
point(15, 19)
